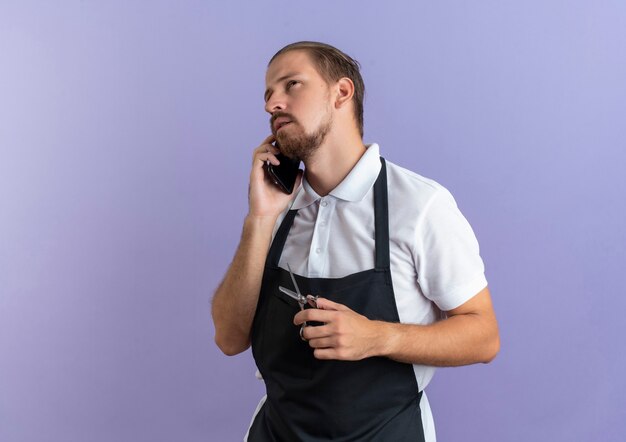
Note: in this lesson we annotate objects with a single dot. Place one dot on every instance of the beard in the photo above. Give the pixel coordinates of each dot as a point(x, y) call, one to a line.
point(302, 145)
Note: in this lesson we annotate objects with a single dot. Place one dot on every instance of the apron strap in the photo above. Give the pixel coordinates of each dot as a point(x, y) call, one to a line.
point(279, 239)
point(381, 219)
point(381, 223)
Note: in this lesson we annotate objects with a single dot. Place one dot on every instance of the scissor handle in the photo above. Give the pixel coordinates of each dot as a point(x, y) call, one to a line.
point(311, 300)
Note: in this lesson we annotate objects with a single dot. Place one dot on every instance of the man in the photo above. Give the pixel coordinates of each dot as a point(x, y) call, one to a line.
point(396, 267)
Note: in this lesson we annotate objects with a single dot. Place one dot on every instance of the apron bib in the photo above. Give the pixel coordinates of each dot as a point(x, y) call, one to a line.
point(375, 399)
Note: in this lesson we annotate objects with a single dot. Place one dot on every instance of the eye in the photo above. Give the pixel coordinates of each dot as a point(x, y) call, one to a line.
point(291, 83)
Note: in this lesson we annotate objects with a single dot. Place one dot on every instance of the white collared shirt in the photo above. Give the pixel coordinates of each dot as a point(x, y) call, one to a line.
point(434, 254)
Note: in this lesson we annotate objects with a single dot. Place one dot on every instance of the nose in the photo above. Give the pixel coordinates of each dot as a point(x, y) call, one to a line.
point(275, 103)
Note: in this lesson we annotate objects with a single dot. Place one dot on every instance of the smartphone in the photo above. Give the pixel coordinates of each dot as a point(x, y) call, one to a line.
point(284, 175)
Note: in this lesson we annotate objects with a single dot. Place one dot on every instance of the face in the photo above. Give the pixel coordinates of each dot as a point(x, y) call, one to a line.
point(298, 99)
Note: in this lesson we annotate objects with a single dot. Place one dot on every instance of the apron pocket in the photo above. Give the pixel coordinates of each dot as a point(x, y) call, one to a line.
point(285, 353)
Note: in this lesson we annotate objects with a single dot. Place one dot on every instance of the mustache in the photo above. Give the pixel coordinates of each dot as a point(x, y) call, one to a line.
point(278, 115)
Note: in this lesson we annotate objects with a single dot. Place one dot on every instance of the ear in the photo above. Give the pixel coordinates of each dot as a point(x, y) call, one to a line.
point(344, 89)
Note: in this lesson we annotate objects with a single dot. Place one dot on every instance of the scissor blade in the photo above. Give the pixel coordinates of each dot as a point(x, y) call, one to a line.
point(291, 293)
point(293, 279)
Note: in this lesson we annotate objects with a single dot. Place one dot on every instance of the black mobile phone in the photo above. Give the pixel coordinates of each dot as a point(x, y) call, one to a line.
point(284, 175)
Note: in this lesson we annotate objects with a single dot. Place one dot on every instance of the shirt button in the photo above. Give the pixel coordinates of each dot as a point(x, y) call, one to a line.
point(324, 203)
point(322, 223)
point(318, 250)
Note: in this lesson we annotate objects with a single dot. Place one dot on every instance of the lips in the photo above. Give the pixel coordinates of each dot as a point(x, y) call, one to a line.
point(280, 122)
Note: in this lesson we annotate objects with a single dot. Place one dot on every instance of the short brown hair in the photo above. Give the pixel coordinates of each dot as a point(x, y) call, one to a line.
point(332, 65)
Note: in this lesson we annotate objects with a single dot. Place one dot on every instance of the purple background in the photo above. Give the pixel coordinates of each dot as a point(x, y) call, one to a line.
point(126, 131)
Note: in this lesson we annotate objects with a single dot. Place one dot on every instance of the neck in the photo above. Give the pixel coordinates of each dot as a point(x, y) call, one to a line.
point(333, 161)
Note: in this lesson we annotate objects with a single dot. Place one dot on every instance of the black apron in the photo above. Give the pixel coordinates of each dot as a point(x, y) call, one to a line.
point(375, 399)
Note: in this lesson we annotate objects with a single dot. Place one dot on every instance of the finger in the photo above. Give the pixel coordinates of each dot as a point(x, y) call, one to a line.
point(327, 304)
point(313, 314)
point(271, 148)
point(266, 156)
point(325, 353)
point(265, 145)
point(322, 343)
point(322, 331)
point(267, 148)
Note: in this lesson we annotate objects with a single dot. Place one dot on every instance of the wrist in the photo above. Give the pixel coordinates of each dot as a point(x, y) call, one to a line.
point(256, 227)
point(385, 337)
point(265, 220)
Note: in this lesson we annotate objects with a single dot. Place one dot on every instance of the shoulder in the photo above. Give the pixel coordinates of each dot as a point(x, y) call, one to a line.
point(413, 191)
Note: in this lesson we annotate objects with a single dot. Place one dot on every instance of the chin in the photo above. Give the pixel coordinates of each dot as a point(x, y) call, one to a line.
point(299, 144)
point(286, 150)
point(287, 145)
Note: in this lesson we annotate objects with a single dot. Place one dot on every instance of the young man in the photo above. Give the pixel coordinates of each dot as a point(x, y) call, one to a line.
point(386, 250)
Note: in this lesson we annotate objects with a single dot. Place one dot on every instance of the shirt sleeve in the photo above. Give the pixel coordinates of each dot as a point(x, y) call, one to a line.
point(449, 268)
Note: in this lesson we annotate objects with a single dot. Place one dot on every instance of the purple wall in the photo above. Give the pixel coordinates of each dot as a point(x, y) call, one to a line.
point(126, 131)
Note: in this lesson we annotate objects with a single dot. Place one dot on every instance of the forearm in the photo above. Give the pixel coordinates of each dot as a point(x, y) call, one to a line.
point(235, 300)
point(457, 340)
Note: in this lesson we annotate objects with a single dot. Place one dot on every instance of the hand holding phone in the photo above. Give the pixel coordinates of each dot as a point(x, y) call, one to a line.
point(284, 175)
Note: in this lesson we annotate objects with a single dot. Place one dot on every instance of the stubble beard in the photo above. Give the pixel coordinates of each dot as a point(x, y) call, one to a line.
point(302, 145)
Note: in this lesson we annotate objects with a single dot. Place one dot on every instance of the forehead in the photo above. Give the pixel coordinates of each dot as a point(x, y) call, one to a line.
point(290, 63)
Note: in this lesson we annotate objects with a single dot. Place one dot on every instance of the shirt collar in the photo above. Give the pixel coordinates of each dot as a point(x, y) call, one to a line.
point(354, 186)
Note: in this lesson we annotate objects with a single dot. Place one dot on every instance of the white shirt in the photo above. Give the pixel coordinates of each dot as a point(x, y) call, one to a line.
point(434, 254)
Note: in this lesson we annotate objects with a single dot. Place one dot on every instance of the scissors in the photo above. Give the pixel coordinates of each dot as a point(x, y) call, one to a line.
point(302, 300)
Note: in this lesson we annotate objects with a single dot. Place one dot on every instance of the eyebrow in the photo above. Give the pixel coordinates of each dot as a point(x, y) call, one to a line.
point(284, 77)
